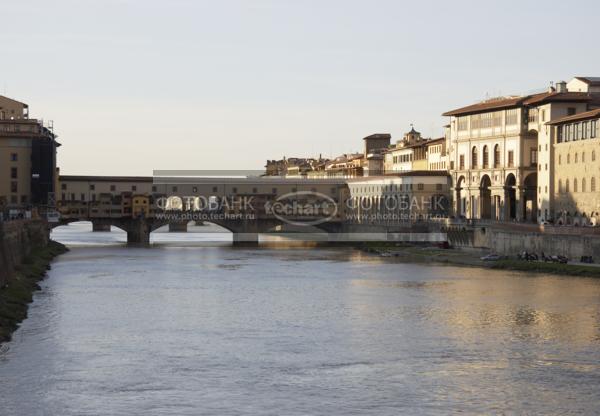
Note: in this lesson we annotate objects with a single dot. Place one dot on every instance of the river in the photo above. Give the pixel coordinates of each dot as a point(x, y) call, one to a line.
point(206, 329)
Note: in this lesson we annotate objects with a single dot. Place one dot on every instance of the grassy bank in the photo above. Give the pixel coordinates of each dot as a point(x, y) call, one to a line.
point(15, 297)
point(472, 258)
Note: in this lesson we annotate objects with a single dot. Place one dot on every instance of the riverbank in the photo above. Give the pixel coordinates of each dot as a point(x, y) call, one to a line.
point(16, 295)
point(472, 258)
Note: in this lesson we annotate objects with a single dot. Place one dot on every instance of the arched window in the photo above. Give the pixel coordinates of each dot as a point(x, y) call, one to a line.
point(583, 185)
point(560, 190)
point(582, 157)
point(497, 156)
point(486, 157)
point(474, 158)
point(575, 185)
point(576, 157)
point(559, 159)
point(593, 155)
point(593, 184)
point(568, 158)
point(567, 186)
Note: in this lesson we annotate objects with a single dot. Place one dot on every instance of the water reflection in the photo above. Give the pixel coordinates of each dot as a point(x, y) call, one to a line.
point(187, 330)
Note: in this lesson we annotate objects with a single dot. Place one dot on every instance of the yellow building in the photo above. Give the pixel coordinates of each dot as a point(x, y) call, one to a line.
point(27, 158)
point(140, 206)
point(577, 168)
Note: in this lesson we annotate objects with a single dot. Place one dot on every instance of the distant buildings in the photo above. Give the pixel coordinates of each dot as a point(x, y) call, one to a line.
point(27, 158)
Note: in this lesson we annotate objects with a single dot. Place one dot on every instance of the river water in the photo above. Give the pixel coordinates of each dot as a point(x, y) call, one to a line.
point(187, 329)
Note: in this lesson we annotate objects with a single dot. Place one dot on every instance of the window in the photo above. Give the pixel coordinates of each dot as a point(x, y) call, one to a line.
point(82, 197)
point(92, 187)
point(474, 158)
point(571, 111)
point(134, 188)
point(154, 189)
point(512, 117)
point(23, 199)
point(593, 155)
point(214, 189)
point(13, 173)
point(533, 115)
point(13, 157)
point(533, 156)
point(486, 157)
point(438, 186)
point(559, 159)
point(274, 190)
point(582, 157)
point(583, 185)
point(511, 158)
point(497, 119)
point(585, 126)
point(567, 186)
point(113, 188)
point(575, 185)
point(14, 187)
point(63, 186)
point(234, 190)
point(593, 184)
point(463, 123)
point(576, 157)
point(559, 134)
point(461, 162)
point(420, 186)
point(254, 190)
point(593, 129)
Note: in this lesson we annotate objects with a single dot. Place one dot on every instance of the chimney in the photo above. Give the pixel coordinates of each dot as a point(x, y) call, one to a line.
point(561, 86)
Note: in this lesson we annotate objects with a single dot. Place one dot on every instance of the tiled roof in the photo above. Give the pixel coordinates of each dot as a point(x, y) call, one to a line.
point(536, 99)
point(576, 117)
point(494, 104)
point(547, 97)
point(589, 80)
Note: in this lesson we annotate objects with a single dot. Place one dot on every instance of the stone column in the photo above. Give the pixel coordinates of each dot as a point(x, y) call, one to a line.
point(520, 203)
point(138, 232)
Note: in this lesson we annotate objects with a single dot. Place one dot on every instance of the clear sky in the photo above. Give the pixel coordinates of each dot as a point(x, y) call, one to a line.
point(134, 86)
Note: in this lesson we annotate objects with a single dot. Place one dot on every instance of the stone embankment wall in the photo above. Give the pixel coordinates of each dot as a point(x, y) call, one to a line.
point(17, 240)
point(570, 242)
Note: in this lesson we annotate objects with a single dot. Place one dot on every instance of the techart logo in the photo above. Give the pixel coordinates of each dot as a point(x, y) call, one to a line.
point(304, 208)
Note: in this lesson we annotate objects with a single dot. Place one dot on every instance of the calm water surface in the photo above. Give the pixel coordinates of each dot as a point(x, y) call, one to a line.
point(192, 330)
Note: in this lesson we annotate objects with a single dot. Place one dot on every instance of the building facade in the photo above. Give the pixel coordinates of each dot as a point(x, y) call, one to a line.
point(27, 158)
point(500, 154)
point(404, 197)
point(408, 154)
point(576, 168)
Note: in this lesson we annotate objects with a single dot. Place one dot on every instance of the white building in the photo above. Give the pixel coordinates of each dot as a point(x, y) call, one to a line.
point(500, 152)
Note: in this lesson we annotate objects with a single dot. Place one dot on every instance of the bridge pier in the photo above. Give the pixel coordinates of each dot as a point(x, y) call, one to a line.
point(98, 226)
point(245, 239)
point(138, 232)
point(178, 227)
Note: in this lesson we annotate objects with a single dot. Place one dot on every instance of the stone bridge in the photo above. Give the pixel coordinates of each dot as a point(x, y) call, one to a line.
point(140, 205)
point(245, 206)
